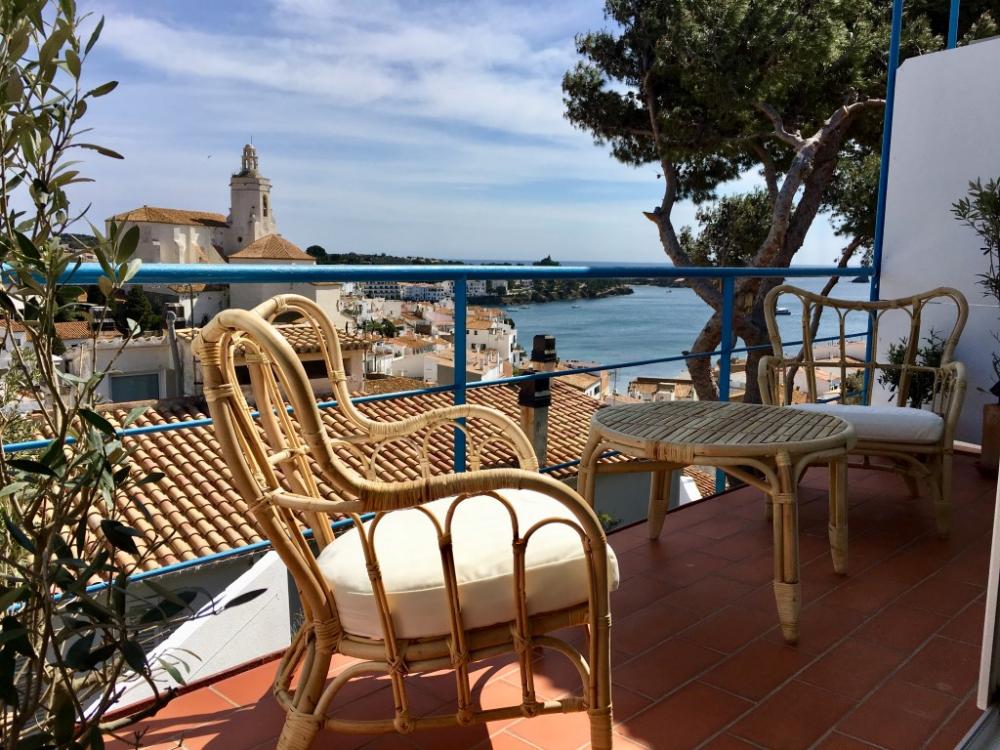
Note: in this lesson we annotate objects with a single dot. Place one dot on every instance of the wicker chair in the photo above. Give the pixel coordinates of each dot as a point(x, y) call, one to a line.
point(915, 442)
point(449, 578)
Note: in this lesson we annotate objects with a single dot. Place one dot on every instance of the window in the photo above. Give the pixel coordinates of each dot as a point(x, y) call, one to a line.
point(265, 205)
point(141, 387)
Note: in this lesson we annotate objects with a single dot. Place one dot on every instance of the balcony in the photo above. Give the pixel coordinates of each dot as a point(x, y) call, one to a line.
point(888, 655)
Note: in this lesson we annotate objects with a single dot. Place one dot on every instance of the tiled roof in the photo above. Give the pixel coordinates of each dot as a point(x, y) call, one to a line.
point(173, 216)
point(194, 510)
point(392, 384)
point(581, 380)
point(301, 337)
point(272, 247)
point(66, 331)
point(480, 325)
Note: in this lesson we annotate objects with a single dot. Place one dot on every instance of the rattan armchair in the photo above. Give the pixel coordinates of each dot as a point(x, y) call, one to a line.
point(914, 442)
point(452, 568)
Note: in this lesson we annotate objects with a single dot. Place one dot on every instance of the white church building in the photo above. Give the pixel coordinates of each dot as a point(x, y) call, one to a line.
point(249, 232)
point(248, 235)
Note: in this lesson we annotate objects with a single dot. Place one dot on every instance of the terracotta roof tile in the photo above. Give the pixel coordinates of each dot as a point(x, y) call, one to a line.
point(172, 216)
point(301, 337)
point(272, 247)
point(194, 510)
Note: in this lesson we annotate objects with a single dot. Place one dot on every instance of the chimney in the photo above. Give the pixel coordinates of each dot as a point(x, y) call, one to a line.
point(543, 353)
point(534, 396)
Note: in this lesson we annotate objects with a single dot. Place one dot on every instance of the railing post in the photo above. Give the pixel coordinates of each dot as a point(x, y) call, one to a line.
point(458, 395)
point(725, 356)
point(875, 291)
point(953, 25)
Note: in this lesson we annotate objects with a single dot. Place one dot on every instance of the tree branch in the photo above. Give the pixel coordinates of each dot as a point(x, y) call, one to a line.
point(770, 173)
point(795, 140)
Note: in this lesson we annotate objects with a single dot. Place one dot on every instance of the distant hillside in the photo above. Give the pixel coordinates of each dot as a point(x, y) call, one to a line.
point(324, 258)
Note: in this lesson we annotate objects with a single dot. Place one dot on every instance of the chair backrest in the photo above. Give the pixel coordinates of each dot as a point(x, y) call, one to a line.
point(287, 449)
point(900, 366)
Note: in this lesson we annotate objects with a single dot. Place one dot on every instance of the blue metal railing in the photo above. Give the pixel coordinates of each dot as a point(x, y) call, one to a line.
point(182, 273)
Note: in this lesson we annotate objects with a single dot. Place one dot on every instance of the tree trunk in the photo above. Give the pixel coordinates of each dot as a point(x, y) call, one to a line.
point(700, 368)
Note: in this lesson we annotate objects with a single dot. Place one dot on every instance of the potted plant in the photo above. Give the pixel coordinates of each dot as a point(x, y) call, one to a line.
point(980, 210)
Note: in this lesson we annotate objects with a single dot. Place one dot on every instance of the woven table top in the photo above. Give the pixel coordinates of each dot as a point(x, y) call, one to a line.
point(712, 428)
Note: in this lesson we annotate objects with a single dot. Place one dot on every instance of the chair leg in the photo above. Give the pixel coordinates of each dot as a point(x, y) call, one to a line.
point(299, 731)
point(301, 722)
point(599, 710)
point(911, 484)
point(941, 484)
point(837, 524)
point(659, 501)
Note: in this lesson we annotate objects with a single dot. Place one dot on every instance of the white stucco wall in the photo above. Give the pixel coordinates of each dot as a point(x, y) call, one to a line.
point(944, 135)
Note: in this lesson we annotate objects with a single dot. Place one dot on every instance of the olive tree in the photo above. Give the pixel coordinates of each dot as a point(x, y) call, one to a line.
point(68, 625)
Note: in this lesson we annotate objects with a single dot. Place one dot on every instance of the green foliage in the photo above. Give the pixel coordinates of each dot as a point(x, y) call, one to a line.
point(63, 648)
point(732, 229)
point(316, 251)
point(921, 388)
point(980, 210)
point(138, 307)
point(384, 327)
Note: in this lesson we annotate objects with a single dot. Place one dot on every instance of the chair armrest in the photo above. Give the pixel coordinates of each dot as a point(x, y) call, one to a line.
point(767, 369)
point(378, 496)
point(953, 383)
point(506, 430)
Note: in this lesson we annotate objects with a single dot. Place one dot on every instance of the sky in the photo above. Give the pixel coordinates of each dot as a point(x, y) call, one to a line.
point(411, 127)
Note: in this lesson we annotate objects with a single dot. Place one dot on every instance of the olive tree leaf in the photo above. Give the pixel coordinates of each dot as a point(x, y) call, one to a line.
point(120, 536)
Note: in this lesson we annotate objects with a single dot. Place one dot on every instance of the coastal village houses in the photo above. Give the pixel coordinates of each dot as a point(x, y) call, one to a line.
point(391, 329)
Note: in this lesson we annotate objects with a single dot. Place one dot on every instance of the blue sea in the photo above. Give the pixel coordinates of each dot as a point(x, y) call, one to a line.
point(654, 322)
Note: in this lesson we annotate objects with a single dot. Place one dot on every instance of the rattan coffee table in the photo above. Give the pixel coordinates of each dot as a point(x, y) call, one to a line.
point(767, 447)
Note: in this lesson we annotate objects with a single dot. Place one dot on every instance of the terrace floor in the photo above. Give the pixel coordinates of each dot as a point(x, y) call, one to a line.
point(888, 656)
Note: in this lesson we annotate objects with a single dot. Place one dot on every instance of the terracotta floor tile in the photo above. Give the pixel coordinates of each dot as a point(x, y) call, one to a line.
point(755, 571)
point(554, 731)
point(853, 668)
point(837, 741)
point(728, 742)
point(742, 546)
point(193, 719)
point(945, 665)
point(820, 626)
point(665, 667)
point(696, 606)
point(941, 595)
point(505, 741)
point(686, 718)
point(967, 626)
point(758, 669)
point(949, 735)
point(708, 594)
point(900, 627)
point(554, 676)
point(794, 717)
point(686, 569)
point(721, 526)
point(649, 626)
point(730, 629)
point(900, 715)
point(637, 592)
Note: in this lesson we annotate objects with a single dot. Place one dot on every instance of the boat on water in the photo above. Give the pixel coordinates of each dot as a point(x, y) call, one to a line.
point(575, 305)
point(782, 311)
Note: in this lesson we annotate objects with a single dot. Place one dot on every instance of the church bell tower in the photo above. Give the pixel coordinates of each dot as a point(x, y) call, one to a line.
point(250, 213)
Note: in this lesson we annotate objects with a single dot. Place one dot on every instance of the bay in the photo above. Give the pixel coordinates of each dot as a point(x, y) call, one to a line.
point(653, 322)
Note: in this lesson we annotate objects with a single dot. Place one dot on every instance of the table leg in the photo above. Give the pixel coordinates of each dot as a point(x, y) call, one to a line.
point(838, 514)
point(787, 589)
point(586, 480)
point(659, 501)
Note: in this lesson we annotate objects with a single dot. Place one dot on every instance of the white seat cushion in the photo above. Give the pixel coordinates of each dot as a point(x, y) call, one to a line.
point(407, 550)
point(895, 424)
